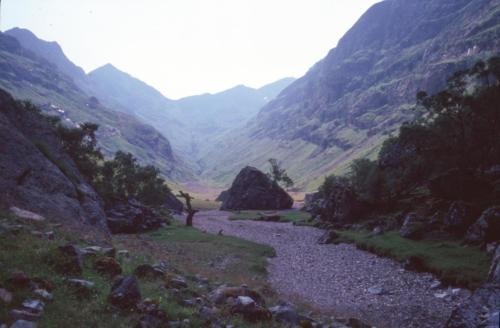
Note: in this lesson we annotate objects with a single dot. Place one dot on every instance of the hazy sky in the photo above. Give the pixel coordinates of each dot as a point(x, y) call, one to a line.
point(186, 47)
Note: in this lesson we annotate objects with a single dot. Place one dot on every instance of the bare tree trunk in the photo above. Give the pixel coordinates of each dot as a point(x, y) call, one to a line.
point(190, 211)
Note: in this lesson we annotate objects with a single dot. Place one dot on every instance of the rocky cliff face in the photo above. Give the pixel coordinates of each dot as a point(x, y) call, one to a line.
point(365, 87)
point(37, 175)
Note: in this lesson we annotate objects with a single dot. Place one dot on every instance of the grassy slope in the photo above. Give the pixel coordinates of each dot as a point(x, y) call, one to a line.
point(450, 261)
point(296, 217)
point(188, 252)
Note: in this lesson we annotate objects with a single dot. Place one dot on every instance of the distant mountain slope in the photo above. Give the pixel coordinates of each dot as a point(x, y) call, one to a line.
point(189, 123)
point(29, 76)
point(342, 108)
point(51, 51)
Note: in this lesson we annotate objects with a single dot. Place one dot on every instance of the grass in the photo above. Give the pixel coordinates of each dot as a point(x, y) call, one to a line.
point(220, 257)
point(451, 262)
point(296, 217)
point(183, 248)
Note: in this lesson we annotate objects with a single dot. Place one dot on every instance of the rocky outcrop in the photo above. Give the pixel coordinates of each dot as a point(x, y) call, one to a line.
point(132, 217)
point(222, 196)
point(253, 190)
point(459, 217)
point(486, 229)
point(37, 175)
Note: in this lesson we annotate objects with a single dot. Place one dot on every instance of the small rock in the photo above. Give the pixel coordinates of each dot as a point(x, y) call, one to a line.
point(42, 283)
point(149, 271)
point(23, 324)
point(27, 215)
point(69, 260)
point(178, 282)
point(441, 295)
point(436, 284)
point(19, 279)
point(36, 306)
point(208, 314)
point(188, 303)
point(249, 309)
point(125, 292)
point(5, 296)
point(123, 253)
point(376, 290)
point(44, 294)
point(24, 315)
point(108, 266)
point(245, 301)
point(83, 288)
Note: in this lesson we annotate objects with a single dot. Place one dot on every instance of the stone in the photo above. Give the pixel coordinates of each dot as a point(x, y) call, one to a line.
point(69, 260)
point(436, 284)
point(494, 274)
point(83, 288)
point(479, 310)
point(123, 253)
point(125, 293)
point(42, 293)
point(132, 217)
point(208, 314)
point(34, 306)
point(108, 266)
point(328, 237)
point(152, 308)
point(459, 217)
point(486, 229)
point(23, 324)
point(220, 295)
point(27, 215)
point(17, 314)
point(177, 282)
point(250, 310)
point(94, 250)
point(19, 279)
point(41, 283)
point(5, 296)
point(412, 227)
point(376, 290)
point(149, 271)
point(253, 190)
point(287, 314)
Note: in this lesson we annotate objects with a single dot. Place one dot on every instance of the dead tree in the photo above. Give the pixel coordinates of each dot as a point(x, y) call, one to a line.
point(190, 211)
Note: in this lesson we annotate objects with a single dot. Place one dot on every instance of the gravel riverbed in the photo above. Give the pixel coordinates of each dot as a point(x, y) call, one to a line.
point(340, 280)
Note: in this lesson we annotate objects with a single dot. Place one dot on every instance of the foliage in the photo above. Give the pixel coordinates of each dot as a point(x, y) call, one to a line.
point(115, 180)
point(456, 133)
point(81, 144)
point(278, 174)
point(450, 261)
point(122, 178)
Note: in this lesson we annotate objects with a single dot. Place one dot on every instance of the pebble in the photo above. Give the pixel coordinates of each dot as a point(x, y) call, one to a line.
point(5, 295)
point(44, 294)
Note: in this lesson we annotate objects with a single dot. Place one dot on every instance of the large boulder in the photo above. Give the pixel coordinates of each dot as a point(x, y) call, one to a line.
point(253, 190)
point(338, 205)
point(132, 217)
point(486, 229)
point(222, 196)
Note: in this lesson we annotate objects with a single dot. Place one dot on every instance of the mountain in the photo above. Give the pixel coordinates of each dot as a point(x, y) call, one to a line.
point(363, 89)
point(51, 51)
point(27, 75)
point(189, 123)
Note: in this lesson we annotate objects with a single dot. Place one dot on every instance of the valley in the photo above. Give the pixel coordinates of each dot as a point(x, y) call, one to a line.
point(364, 193)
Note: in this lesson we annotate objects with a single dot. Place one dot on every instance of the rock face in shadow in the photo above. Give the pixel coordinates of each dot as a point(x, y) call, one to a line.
point(37, 175)
point(253, 190)
point(132, 217)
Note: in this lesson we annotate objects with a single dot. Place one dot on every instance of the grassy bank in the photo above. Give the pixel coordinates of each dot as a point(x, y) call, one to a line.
point(451, 262)
point(186, 251)
point(296, 217)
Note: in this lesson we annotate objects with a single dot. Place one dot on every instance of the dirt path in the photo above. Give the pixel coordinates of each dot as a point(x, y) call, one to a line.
point(336, 278)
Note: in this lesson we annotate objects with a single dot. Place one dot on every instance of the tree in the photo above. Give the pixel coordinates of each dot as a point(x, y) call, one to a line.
point(278, 175)
point(190, 211)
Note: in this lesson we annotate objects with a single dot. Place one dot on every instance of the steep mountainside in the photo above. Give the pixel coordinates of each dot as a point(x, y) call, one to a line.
point(363, 89)
point(37, 175)
point(29, 76)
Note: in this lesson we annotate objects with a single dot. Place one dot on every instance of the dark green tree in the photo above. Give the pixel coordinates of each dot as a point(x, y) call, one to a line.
point(278, 174)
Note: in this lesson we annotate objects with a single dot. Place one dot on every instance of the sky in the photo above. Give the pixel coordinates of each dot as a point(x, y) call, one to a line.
point(188, 47)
